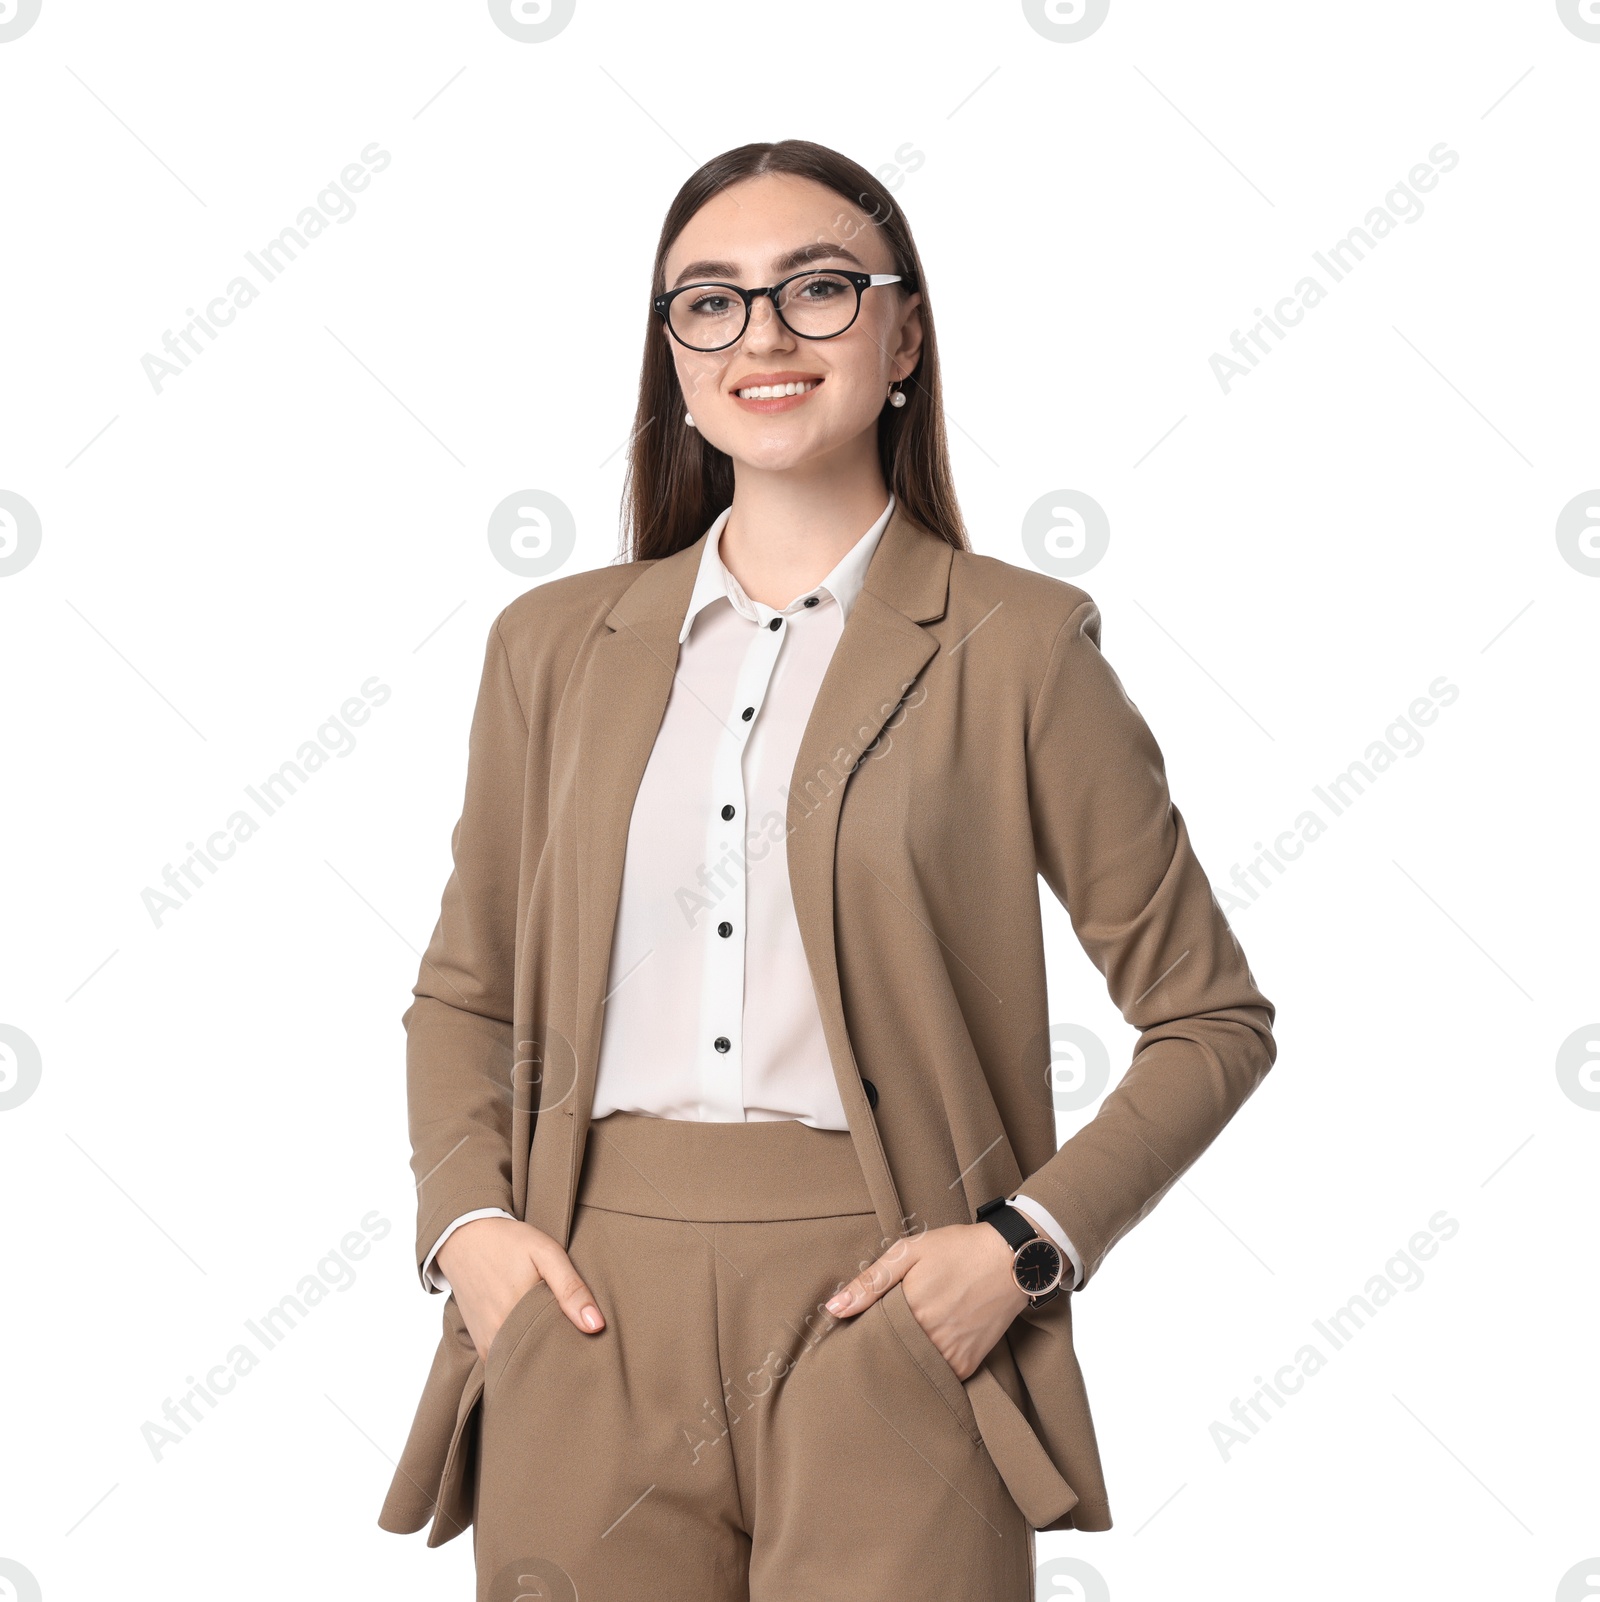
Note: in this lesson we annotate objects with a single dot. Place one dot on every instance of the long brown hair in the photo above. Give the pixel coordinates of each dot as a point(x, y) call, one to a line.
point(676, 482)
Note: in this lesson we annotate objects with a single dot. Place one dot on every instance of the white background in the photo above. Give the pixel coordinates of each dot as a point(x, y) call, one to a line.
point(1291, 565)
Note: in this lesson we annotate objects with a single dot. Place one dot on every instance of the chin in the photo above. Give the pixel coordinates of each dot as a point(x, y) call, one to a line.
point(773, 455)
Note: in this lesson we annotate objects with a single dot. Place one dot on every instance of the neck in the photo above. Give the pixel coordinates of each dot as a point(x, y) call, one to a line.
point(788, 529)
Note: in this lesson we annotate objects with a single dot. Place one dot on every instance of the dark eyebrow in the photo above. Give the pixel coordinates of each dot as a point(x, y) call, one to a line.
point(791, 261)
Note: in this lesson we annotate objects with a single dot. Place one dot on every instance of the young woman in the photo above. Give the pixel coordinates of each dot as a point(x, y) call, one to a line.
point(729, 1062)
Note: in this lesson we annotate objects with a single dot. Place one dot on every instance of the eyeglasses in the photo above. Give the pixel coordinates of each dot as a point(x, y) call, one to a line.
point(814, 305)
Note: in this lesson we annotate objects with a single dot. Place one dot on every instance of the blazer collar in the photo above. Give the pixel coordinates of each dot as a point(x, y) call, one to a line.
point(909, 570)
point(713, 581)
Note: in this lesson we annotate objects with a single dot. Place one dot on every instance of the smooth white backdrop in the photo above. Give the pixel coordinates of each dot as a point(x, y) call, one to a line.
point(1291, 563)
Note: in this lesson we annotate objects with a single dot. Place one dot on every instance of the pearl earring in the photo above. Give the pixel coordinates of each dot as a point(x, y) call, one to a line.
point(897, 397)
point(688, 419)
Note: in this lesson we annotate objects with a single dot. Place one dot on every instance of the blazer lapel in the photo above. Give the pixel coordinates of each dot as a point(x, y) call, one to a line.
point(878, 657)
point(626, 687)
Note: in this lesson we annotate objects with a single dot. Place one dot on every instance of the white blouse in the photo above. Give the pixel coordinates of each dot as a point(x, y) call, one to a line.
point(709, 1010)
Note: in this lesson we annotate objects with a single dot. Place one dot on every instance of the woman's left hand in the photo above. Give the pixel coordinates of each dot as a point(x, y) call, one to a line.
point(958, 1287)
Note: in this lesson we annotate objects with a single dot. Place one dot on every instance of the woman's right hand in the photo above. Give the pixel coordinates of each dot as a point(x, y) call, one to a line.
point(492, 1263)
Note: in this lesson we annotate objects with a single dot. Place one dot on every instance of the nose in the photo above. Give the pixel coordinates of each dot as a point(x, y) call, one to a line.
point(766, 330)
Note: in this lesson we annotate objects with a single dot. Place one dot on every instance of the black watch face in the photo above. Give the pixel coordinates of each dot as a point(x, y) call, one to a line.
point(1037, 1267)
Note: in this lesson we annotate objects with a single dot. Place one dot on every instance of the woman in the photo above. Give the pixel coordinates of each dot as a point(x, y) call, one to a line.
point(730, 1050)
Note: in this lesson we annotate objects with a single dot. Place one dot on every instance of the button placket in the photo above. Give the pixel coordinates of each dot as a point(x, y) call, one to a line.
point(720, 1039)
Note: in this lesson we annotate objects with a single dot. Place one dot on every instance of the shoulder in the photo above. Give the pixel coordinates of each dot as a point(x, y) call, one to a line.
point(1032, 607)
point(553, 619)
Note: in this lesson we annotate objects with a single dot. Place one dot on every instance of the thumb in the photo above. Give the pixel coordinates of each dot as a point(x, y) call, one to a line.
point(567, 1286)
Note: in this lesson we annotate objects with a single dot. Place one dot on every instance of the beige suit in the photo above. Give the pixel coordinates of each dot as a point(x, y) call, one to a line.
point(968, 737)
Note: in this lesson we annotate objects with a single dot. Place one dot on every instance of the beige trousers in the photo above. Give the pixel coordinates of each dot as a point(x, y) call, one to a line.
point(725, 1438)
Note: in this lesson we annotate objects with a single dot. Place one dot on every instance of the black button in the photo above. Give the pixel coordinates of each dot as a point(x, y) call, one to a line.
point(724, 929)
point(722, 1043)
point(748, 713)
point(727, 811)
point(776, 623)
point(811, 600)
point(872, 1093)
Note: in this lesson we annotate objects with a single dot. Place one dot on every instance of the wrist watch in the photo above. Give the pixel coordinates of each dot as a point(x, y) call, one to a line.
point(1035, 1261)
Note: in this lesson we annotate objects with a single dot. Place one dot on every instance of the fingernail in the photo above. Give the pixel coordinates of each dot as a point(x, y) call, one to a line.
point(590, 1317)
point(839, 1302)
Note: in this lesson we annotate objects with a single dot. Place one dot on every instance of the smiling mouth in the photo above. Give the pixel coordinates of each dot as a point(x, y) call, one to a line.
point(777, 391)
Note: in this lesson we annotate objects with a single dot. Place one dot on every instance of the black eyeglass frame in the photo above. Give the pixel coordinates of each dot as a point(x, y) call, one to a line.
point(862, 282)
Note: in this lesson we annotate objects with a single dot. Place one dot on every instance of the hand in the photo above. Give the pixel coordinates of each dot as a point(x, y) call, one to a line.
point(959, 1288)
point(492, 1263)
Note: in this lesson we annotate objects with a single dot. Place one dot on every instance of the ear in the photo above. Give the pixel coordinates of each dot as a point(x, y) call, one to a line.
point(909, 347)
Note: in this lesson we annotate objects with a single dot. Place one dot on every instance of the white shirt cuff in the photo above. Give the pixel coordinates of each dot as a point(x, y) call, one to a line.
point(431, 1275)
point(1042, 1220)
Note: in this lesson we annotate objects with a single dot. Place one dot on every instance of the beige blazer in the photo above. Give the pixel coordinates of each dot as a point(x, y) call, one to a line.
point(968, 737)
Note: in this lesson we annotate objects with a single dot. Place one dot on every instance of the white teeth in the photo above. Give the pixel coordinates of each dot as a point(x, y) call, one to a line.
point(773, 391)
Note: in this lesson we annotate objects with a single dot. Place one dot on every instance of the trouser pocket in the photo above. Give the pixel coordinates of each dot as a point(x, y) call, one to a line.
point(929, 1360)
point(530, 1309)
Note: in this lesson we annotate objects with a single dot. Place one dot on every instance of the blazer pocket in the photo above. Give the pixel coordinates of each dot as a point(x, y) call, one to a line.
point(929, 1359)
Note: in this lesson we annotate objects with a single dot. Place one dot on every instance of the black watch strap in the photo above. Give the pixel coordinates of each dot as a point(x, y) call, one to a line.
point(1012, 1225)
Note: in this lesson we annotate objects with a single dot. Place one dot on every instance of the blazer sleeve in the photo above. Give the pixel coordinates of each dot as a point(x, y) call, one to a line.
point(1115, 850)
point(459, 1025)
